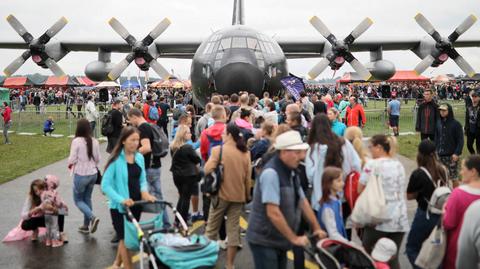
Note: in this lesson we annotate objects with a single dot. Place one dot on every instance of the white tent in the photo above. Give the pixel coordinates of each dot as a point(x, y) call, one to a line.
point(107, 84)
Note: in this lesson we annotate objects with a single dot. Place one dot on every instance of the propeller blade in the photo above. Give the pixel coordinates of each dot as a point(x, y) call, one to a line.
point(322, 29)
point(159, 69)
point(424, 64)
point(359, 30)
point(121, 66)
point(427, 26)
point(17, 63)
point(19, 28)
point(156, 32)
point(52, 31)
point(54, 67)
point(318, 68)
point(462, 28)
point(122, 31)
point(464, 65)
point(361, 70)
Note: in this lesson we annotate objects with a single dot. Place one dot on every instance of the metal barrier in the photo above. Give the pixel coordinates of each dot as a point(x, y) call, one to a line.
point(65, 123)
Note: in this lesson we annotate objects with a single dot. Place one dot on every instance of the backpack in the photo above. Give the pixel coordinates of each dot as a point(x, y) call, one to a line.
point(439, 196)
point(159, 143)
point(213, 143)
point(351, 188)
point(177, 112)
point(107, 124)
point(210, 184)
point(153, 113)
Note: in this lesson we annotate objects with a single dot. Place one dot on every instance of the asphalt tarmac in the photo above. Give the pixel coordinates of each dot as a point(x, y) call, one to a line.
point(95, 250)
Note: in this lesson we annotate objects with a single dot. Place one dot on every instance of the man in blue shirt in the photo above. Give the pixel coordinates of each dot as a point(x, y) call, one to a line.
point(393, 110)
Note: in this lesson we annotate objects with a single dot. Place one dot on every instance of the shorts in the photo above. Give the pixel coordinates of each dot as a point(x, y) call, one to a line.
point(451, 166)
point(394, 120)
point(118, 221)
point(195, 189)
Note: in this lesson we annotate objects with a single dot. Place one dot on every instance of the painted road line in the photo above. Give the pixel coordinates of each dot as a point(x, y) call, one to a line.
point(195, 226)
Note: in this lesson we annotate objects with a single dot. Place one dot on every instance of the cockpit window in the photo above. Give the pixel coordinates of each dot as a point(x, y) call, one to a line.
point(225, 43)
point(239, 42)
point(252, 43)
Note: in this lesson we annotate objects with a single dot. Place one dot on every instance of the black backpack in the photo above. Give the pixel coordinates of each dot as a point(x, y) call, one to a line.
point(107, 124)
point(159, 143)
point(210, 184)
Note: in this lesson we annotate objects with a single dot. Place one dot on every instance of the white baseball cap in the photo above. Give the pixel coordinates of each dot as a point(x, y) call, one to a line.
point(290, 140)
point(384, 250)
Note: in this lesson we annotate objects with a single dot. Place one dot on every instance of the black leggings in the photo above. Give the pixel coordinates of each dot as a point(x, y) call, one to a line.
point(473, 138)
point(185, 186)
point(36, 222)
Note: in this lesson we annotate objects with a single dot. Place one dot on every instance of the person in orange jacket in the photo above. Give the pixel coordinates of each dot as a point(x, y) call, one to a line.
point(355, 114)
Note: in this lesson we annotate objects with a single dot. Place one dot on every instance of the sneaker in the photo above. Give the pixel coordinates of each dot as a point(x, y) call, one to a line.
point(64, 238)
point(56, 243)
point(48, 242)
point(34, 237)
point(115, 239)
point(196, 217)
point(94, 224)
point(83, 230)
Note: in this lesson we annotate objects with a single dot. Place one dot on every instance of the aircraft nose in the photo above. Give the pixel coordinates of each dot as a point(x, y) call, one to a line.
point(235, 77)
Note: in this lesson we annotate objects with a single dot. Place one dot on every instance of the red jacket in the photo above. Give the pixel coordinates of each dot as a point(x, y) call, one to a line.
point(215, 132)
point(7, 114)
point(356, 116)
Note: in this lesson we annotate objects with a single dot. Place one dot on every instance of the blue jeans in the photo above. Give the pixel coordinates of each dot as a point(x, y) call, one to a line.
point(155, 189)
point(82, 195)
point(419, 232)
point(268, 258)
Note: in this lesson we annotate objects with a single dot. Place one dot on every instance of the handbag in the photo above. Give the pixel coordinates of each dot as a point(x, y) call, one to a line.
point(99, 177)
point(433, 249)
point(210, 184)
point(371, 206)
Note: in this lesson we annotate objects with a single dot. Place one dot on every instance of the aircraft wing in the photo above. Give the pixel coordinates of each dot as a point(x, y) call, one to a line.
point(314, 48)
point(166, 49)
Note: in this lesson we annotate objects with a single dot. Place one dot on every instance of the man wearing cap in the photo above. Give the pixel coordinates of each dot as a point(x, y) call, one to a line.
point(427, 116)
point(449, 140)
point(393, 110)
point(117, 124)
point(278, 204)
point(472, 122)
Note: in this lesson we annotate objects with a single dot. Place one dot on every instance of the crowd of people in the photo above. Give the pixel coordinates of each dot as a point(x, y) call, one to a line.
point(285, 163)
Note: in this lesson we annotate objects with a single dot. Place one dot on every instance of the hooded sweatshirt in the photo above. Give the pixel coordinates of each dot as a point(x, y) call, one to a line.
point(213, 132)
point(448, 135)
point(427, 116)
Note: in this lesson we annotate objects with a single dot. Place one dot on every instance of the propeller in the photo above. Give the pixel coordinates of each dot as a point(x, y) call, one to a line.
point(143, 59)
point(36, 48)
point(340, 50)
point(444, 48)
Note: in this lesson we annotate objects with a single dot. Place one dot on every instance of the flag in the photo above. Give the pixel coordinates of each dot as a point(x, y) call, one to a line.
point(294, 85)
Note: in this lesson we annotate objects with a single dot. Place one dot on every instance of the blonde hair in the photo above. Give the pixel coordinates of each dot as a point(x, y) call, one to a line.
point(179, 139)
point(336, 112)
point(354, 135)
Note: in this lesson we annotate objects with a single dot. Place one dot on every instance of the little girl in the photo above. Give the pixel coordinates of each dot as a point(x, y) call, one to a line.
point(52, 205)
point(330, 214)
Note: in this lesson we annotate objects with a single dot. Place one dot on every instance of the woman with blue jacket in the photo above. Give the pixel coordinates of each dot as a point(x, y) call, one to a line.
point(338, 127)
point(124, 182)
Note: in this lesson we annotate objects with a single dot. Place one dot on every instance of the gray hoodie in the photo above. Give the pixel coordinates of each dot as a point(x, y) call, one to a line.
point(468, 256)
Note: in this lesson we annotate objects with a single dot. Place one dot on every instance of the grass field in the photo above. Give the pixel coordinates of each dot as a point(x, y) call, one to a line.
point(408, 146)
point(29, 153)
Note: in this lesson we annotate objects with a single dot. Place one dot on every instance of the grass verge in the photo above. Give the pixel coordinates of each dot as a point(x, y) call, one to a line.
point(29, 153)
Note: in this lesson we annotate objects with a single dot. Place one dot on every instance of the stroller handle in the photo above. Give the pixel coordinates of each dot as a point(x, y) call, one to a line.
point(143, 202)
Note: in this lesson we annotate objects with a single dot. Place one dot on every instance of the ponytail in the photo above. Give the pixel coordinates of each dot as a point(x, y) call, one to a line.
point(392, 141)
point(237, 136)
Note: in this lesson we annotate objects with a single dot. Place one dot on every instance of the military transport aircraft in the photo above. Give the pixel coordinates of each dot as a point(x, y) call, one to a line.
point(238, 57)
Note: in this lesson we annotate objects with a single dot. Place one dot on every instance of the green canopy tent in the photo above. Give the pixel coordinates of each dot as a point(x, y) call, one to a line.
point(4, 95)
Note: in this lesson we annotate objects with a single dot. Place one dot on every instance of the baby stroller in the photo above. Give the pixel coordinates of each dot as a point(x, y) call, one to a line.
point(168, 247)
point(333, 254)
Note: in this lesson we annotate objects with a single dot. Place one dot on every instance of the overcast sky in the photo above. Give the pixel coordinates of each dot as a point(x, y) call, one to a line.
point(195, 20)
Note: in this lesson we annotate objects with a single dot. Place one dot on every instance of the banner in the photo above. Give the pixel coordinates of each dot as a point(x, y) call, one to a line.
point(294, 85)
